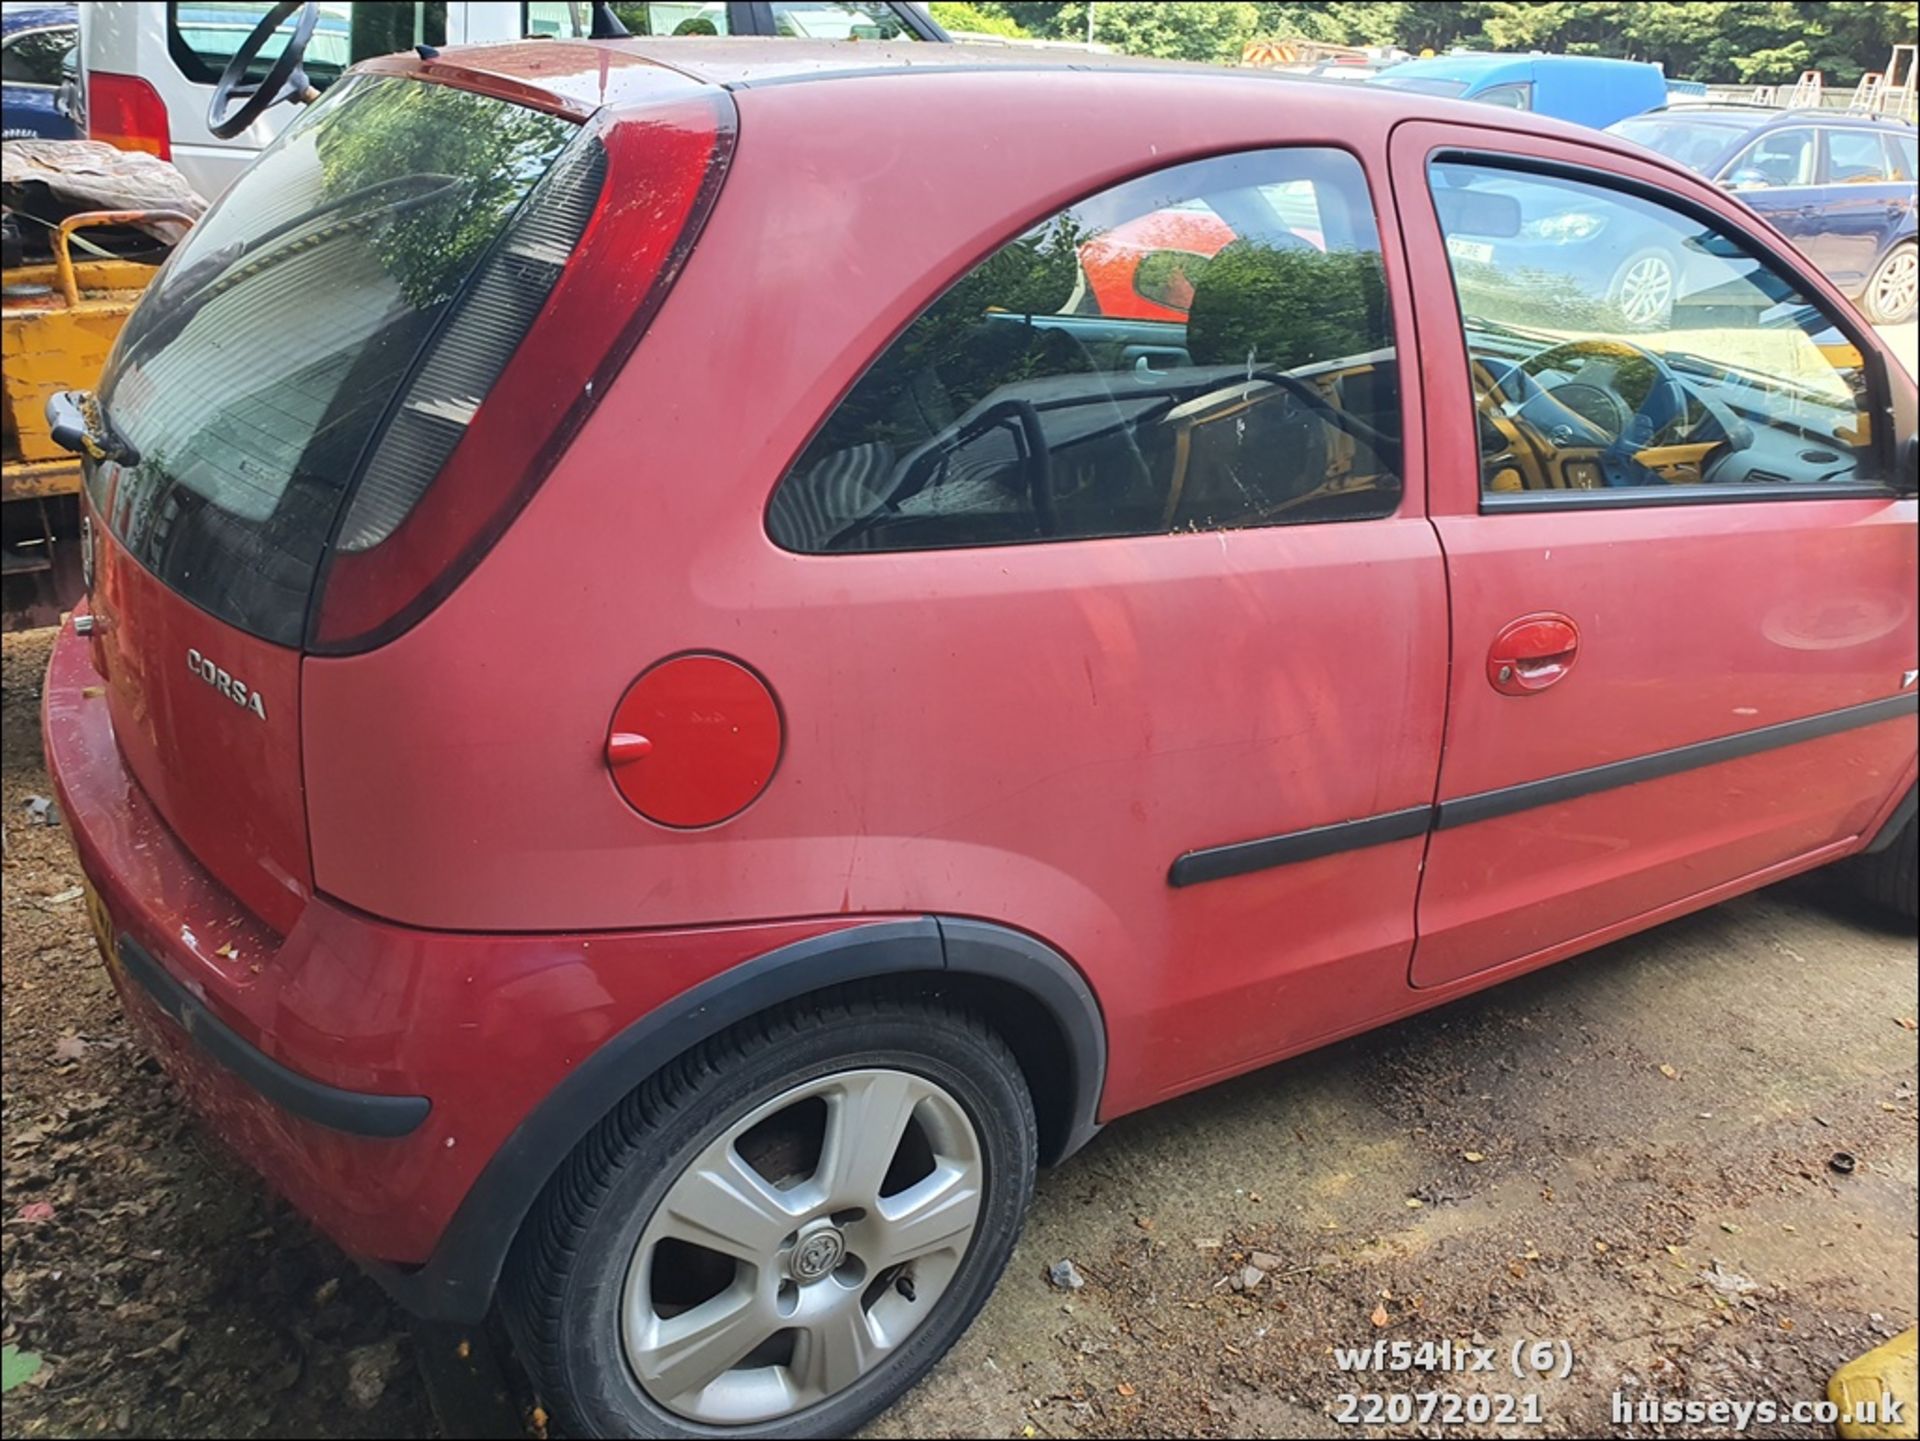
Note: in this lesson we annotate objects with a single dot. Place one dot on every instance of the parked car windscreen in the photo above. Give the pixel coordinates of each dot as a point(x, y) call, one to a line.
point(1696, 144)
point(262, 359)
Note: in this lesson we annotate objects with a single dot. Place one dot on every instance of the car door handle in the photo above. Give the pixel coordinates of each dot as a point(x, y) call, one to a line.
point(1532, 653)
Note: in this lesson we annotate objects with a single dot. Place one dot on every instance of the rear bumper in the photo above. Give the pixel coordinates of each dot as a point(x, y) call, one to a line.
point(369, 1072)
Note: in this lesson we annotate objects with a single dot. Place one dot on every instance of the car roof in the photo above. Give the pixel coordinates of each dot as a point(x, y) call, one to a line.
point(1762, 117)
point(580, 77)
point(36, 17)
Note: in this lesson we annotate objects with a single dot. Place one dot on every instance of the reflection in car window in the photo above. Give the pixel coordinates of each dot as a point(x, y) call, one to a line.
point(693, 18)
point(818, 20)
point(1617, 343)
point(1048, 395)
point(33, 58)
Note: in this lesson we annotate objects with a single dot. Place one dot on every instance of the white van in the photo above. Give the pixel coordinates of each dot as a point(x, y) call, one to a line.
point(149, 66)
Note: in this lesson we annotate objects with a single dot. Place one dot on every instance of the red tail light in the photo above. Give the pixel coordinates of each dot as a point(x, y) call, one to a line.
point(409, 535)
point(127, 112)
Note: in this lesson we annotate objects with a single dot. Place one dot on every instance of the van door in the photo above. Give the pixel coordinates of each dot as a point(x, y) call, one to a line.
point(1682, 585)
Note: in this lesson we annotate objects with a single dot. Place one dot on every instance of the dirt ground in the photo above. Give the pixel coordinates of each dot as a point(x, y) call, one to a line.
point(1630, 1152)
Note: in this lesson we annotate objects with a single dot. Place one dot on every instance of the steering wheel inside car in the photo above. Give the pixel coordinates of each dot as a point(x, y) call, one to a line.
point(1625, 398)
point(285, 80)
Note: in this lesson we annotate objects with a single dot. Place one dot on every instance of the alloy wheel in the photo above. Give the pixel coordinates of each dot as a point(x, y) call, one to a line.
point(801, 1246)
point(1897, 285)
point(1645, 292)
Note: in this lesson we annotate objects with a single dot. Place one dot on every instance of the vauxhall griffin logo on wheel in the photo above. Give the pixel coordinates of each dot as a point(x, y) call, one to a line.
point(239, 692)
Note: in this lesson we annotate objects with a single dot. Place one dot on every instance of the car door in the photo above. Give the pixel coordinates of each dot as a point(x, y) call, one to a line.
point(1775, 177)
point(1682, 581)
point(1195, 547)
point(1858, 199)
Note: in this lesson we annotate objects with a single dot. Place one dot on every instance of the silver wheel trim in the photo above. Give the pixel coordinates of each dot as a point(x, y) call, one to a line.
point(778, 1238)
point(1895, 287)
point(1646, 290)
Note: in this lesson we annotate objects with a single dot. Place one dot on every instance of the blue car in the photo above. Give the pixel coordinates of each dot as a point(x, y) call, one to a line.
point(1586, 89)
point(36, 42)
point(1839, 186)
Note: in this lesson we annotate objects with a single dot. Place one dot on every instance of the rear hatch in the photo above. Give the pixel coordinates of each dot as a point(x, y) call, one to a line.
point(309, 363)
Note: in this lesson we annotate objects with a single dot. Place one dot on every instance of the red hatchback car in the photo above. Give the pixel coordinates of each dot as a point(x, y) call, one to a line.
point(670, 703)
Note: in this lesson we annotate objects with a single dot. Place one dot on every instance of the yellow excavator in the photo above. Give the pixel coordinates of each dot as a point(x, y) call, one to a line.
point(71, 276)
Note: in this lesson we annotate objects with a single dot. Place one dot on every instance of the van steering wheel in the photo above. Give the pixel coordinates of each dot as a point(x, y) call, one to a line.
point(286, 80)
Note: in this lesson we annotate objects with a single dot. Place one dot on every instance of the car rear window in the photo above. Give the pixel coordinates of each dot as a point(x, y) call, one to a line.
point(248, 384)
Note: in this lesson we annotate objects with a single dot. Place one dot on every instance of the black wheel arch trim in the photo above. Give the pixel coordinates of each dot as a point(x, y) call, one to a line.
point(1901, 818)
point(458, 1281)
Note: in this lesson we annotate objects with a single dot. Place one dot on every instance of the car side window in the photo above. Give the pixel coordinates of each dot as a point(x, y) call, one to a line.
point(1204, 348)
point(33, 57)
point(1618, 343)
point(1855, 157)
point(1905, 153)
point(1780, 157)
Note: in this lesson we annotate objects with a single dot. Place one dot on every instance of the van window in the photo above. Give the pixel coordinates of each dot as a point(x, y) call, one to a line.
point(573, 19)
point(1517, 96)
point(819, 20)
point(1204, 348)
point(1623, 346)
point(203, 35)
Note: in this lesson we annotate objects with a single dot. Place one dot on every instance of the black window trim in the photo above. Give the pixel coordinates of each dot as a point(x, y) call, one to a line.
point(1879, 387)
point(1411, 404)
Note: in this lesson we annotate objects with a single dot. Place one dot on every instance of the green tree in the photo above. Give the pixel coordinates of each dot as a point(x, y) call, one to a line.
point(960, 15)
point(1716, 40)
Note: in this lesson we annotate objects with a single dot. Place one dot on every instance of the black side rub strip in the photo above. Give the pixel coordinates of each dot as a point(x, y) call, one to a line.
point(1217, 862)
point(355, 1112)
point(1508, 799)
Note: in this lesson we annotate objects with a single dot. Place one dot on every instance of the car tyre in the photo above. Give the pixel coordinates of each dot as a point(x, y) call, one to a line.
point(1893, 291)
point(618, 1316)
point(1643, 289)
point(1890, 878)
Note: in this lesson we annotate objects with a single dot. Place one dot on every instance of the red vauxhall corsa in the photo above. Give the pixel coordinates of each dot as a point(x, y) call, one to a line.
point(670, 703)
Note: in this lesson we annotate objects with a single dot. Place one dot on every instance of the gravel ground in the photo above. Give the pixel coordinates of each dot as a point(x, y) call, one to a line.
point(1629, 1152)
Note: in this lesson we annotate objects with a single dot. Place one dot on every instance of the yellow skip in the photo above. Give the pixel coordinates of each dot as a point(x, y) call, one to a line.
point(1886, 1372)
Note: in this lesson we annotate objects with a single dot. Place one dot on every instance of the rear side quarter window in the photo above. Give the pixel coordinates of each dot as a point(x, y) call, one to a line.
point(1205, 348)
